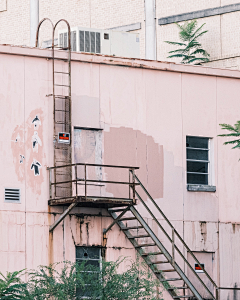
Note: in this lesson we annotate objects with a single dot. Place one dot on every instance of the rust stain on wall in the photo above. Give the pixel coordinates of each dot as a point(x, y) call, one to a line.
point(126, 146)
point(32, 154)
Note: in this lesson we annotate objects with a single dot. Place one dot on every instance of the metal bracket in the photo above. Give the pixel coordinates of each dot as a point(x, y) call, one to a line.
point(63, 215)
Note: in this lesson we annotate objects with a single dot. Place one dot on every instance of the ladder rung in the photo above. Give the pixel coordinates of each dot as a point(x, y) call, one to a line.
point(153, 253)
point(133, 227)
point(61, 72)
point(62, 59)
point(170, 279)
point(62, 123)
point(62, 110)
point(126, 219)
point(61, 96)
point(138, 236)
point(61, 85)
point(145, 245)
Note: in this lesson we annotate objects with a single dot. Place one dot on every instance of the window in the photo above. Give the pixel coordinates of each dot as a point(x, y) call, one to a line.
point(198, 160)
point(92, 256)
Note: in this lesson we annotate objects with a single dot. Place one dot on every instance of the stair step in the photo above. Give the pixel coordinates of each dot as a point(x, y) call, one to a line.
point(133, 227)
point(171, 279)
point(159, 262)
point(145, 245)
point(165, 271)
point(151, 253)
point(179, 288)
point(129, 218)
point(138, 236)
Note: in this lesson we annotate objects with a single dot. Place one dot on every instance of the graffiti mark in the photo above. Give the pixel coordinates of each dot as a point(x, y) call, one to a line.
point(36, 166)
point(36, 121)
point(21, 158)
point(17, 138)
point(36, 141)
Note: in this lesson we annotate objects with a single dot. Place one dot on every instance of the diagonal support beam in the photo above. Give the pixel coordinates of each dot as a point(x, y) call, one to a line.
point(116, 220)
point(63, 215)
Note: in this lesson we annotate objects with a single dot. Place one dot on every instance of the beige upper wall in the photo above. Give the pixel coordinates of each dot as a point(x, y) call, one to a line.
point(222, 40)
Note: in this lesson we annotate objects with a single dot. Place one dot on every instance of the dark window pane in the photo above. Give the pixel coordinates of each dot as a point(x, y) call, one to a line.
point(87, 253)
point(197, 142)
point(89, 262)
point(199, 167)
point(197, 154)
point(197, 179)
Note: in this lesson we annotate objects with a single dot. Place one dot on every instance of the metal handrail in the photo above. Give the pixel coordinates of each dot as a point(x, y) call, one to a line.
point(131, 184)
point(180, 238)
point(93, 165)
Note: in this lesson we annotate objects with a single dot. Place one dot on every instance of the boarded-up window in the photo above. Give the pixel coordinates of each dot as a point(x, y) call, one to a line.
point(88, 149)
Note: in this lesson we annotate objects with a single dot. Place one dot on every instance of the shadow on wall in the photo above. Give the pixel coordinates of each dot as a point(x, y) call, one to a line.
point(127, 147)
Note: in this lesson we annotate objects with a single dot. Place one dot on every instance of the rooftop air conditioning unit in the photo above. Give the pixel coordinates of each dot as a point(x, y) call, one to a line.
point(101, 41)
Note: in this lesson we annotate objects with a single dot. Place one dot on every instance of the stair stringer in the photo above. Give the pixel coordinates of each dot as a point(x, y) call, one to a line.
point(163, 251)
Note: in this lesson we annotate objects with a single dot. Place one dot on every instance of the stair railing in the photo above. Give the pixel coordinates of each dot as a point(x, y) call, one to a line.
point(173, 241)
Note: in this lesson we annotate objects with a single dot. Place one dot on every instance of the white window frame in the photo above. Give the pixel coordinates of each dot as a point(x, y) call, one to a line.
point(210, 161)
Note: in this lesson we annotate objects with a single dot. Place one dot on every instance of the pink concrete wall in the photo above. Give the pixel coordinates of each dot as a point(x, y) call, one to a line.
point(145, 109)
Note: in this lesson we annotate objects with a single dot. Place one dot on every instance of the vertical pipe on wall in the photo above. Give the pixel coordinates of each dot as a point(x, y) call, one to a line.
point(150, 29)
point(34, 20)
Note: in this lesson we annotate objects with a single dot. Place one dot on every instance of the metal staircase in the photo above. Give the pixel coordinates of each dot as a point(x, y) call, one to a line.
point(163, 249)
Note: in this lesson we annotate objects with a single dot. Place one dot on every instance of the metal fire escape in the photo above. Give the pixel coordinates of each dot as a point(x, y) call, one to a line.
point(61, 71)
point(159, 243)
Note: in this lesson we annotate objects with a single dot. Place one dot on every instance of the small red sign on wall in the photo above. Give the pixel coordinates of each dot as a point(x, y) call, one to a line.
point(64, 137)
point(198, 268)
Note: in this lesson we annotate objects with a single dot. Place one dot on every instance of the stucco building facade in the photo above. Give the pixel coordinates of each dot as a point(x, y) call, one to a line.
point(125, 112)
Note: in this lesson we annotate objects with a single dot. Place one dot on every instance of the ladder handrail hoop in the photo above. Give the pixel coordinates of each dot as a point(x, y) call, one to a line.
point(38, 28)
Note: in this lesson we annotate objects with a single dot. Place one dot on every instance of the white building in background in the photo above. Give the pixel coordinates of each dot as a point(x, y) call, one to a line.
point(153, 20)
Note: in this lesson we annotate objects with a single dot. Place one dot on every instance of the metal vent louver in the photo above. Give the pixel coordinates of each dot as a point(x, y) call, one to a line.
point(12, 195)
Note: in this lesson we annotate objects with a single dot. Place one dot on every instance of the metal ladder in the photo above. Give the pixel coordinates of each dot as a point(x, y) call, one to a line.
point(61, 70)
point(164, 251)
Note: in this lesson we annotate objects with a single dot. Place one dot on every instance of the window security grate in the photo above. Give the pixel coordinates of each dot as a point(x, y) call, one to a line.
point(12, 195)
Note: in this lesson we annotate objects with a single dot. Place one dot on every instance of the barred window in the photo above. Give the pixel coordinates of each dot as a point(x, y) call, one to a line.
point(91, 256)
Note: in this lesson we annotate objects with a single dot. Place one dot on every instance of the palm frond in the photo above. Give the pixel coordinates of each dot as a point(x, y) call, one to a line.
point(175, 43)
point(200, 51)
point(196, 31)
point(202, 59)
point(200, 34)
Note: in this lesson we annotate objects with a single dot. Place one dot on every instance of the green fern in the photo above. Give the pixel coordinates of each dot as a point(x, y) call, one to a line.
point(192, 52)
point(234, 131)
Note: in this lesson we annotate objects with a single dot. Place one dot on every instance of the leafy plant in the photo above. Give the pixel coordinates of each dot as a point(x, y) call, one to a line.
point(75, 281)
point(11, 286)
point(234, 131)
point(192, 51)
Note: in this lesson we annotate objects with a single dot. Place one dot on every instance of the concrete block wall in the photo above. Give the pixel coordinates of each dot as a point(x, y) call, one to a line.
point(221, 41)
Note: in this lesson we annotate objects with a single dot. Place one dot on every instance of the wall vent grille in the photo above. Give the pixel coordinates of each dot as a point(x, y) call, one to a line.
point(12, 195)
